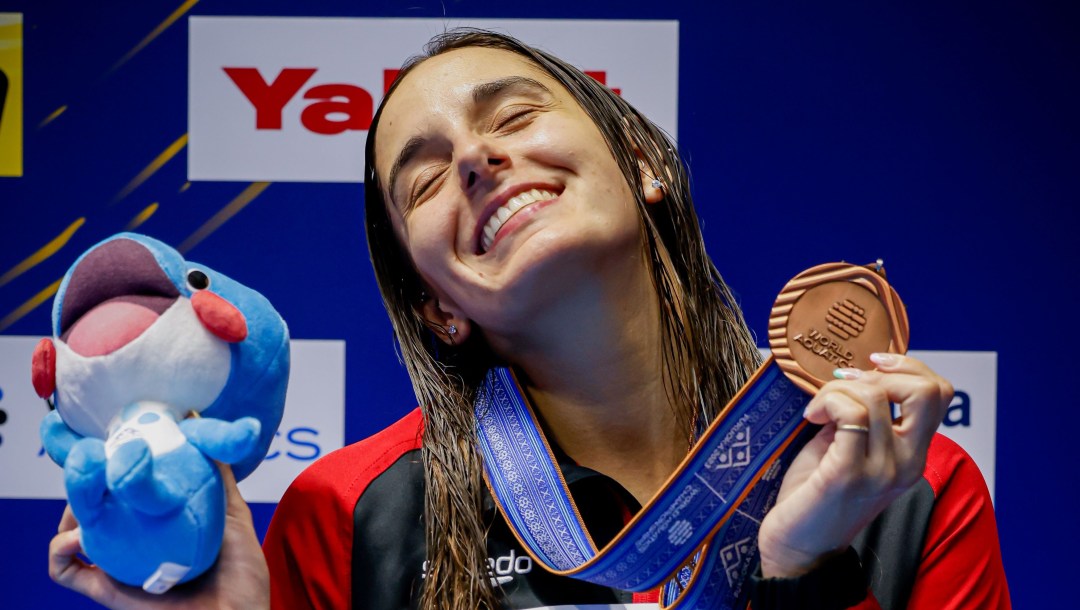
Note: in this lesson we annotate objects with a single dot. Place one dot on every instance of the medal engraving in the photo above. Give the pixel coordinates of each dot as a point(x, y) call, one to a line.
point(834, 316)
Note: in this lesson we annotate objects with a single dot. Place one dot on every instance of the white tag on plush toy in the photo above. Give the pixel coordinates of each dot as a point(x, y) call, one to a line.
point(167, 575)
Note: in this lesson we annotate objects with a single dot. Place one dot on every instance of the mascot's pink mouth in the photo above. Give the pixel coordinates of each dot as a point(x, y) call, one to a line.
point(115, 323)
point(105, 309)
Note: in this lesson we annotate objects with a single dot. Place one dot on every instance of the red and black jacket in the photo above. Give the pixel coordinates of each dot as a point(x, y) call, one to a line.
point(349, 533)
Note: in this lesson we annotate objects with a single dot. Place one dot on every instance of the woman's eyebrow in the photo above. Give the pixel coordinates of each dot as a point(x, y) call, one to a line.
point(485, 92)
point(408, 151)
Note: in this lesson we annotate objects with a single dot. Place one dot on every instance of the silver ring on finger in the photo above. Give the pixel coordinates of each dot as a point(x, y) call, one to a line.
point(853, 428)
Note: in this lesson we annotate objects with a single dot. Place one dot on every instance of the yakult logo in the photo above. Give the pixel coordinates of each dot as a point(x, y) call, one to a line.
point(281, 99)
point(331, 108)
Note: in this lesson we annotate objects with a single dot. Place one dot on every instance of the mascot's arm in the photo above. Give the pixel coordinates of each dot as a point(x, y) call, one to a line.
point(228, 442)
point(84, 478)
point(57, 438)
point(83, 461)
point(130, 475)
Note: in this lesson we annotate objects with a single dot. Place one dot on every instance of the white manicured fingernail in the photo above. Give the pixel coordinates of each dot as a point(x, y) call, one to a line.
point(884, 358)
point(847, 373)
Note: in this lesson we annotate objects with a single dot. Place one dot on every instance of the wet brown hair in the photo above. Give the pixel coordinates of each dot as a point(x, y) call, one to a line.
point(708, 352)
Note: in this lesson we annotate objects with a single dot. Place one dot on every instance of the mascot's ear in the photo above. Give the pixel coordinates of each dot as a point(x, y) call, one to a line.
point(444, 319)
point(43, 368)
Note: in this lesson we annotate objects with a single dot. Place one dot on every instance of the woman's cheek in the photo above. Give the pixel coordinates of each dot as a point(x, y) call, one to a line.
point(425, 240)
point(552, 145)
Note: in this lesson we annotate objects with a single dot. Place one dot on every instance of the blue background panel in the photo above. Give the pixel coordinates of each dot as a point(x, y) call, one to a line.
point(940, 136)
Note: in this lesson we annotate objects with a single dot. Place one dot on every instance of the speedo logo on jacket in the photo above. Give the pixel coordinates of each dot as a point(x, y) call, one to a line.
point(501, 569)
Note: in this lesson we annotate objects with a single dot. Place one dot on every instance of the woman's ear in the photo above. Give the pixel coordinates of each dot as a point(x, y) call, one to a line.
point(652, 187)
point(448, 324)
point(652, 180)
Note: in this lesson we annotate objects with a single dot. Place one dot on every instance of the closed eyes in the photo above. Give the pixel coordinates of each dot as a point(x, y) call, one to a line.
point(512, 117)
point(506, 121)
point(424, 183)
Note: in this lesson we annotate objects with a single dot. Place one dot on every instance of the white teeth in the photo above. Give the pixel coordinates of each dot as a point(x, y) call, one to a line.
point(508, 209)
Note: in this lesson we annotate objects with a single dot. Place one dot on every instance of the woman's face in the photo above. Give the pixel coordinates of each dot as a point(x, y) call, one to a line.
point(500, 187)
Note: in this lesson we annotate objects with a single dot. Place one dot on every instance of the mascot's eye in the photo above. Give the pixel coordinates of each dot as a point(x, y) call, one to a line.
point(198, 280)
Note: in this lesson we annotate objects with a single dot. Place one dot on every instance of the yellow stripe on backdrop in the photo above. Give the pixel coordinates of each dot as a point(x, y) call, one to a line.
point(30, 305)
point(215, 222)
point(166, 155)
point(52, 117)
point(142, 217)
point(42, 253)
point(161, 27)
point(231, 209)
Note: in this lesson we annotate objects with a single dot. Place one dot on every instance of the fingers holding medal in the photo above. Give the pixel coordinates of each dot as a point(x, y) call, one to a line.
point(891, 454)
point(846, 408)
point(922, 397)
point(838, 331)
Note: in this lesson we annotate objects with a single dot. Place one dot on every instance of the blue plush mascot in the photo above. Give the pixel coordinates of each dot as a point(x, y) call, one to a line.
point(157, 366)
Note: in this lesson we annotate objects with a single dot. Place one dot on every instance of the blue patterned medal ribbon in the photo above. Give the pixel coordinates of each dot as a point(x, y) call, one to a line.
point(714, 503)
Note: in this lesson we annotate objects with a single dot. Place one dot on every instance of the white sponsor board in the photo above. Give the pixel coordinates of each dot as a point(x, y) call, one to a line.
point(314, 421)
point(291, 99)
point(313, 424)
point(971, 420)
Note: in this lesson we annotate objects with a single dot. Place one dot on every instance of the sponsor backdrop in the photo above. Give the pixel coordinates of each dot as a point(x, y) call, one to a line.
point(941, 140)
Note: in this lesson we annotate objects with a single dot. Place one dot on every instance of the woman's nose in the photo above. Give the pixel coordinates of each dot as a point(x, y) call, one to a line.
point(473, 175)
point(481, 162)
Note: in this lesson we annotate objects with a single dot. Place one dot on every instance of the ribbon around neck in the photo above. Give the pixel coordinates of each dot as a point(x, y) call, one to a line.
point(697, 536)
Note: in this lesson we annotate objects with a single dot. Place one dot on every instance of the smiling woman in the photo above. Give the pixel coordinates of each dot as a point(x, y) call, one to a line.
point(535, 243)
point(489, 121)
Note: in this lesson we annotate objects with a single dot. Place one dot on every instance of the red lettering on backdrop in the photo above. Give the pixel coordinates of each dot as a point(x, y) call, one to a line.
point(339, 107)
point(601, 77)
point(269, 99)
point(388, 78)
point(357, 107)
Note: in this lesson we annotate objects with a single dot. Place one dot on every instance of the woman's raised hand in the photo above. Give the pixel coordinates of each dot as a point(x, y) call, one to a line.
point(858, 463)
point(239, 579)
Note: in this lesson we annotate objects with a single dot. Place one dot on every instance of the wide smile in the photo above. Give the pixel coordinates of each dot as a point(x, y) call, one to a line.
point(497, 218)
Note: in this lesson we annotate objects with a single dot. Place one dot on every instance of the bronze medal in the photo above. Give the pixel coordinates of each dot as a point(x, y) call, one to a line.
point(834, 316)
